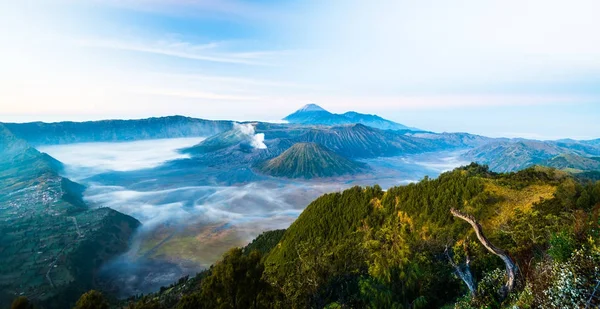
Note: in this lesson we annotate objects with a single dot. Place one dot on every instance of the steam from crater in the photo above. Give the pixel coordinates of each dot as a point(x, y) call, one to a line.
point(256, 140)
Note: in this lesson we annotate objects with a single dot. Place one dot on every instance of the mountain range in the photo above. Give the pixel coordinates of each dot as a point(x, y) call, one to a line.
point(40, 133)
point(514, 155)
point(350, 135)
point(52, 242)
point(313, 114)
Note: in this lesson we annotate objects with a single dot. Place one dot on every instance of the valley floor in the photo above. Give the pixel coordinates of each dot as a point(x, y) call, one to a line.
point(188, 219)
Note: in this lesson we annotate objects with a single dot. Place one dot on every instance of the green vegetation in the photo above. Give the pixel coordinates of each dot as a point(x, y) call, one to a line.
point(265, 242)
point(51, 244)
point(366, 248)
point(92, 300)
point(309, 160)
point(574, 163)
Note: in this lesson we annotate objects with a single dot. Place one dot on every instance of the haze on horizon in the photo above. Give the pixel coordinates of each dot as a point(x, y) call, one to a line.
point(497, 68)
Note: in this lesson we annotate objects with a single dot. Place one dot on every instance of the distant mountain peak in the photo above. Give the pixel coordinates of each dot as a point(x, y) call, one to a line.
point(313, 114)
point(311, 108)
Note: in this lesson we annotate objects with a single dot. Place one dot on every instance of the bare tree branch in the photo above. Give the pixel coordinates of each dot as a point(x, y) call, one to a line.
point(465, 275)
point(511, 267)
point(589, 302)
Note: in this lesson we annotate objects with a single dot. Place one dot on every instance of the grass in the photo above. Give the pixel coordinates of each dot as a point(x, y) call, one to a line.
point(508, 200)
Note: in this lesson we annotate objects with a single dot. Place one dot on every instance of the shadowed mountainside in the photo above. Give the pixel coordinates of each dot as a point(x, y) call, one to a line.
point(51, 243)
point(40, 133)
point(514, 155)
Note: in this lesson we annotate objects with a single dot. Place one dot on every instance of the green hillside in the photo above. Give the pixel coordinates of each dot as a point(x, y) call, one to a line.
point(51, 243)
point(573, 162)
point(401, 248)
point(309, 160)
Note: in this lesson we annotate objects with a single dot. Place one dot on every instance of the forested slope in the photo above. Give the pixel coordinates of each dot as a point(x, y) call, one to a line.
point(369, 248)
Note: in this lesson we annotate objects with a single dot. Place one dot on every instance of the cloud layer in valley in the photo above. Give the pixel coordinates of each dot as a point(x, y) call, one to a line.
point(187, 227)
point(88, 159)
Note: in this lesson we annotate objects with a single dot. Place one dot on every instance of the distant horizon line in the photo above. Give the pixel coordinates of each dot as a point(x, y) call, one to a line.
point(514, 137)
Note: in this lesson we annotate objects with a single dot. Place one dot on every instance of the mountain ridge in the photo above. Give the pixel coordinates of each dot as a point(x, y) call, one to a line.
point(52, 242)
point(68, 132)
point(313, 114)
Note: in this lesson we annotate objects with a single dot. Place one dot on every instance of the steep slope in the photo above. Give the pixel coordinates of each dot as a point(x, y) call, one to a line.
point(514, 155)
point(508, 156)
point(454, 140)
point(217, 142)
point(51, 243)
point(374, 121)
point(313, 114)
point(39, 133)
point(582, 148)
point(573, 162)
point(309, 160)
point(398, 236)
point(360, 141)
point(400, 248)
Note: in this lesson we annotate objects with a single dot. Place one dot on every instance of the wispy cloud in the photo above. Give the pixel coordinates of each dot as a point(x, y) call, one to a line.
point(233, 81)
point(187, 50)
point(186, 93)
point(229, 9)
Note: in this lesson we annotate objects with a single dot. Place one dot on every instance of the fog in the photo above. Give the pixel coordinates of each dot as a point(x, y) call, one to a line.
point(186, 228)
point(87, 159)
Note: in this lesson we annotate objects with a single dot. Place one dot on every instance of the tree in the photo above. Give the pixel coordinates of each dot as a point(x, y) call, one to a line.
point(92, 300)
point(192, 301)
point(21, 303)
point(236, 282)
point(584, 201)
point(511, 267)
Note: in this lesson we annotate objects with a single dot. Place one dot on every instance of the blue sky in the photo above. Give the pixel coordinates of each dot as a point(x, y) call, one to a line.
point(499, 68)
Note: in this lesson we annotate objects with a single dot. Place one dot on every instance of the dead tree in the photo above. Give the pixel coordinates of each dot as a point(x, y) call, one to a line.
point(511, 267)
point(464, 273)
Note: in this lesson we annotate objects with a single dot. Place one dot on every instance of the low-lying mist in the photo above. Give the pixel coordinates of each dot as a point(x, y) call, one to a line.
point(188, 227)
point(88, 159)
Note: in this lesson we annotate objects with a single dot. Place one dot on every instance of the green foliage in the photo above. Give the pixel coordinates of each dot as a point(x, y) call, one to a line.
point(235, 282)
point(145, 304)
point(488, 287)
point(265, 242)
point(377, 295)
point(366, 248)
point(191, 301)
point(562, 246)
point(92, 300)
point(567, 284)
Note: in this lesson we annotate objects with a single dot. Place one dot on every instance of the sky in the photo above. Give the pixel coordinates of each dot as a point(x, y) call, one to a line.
point(514, 68)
